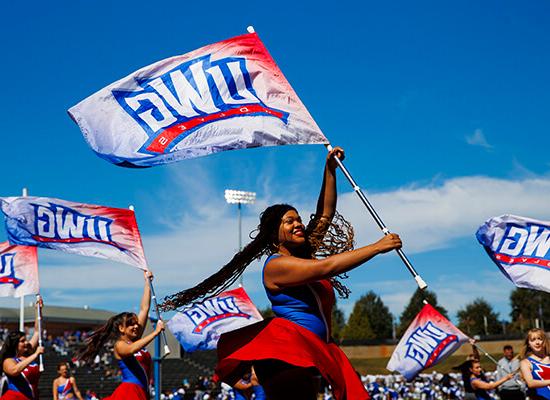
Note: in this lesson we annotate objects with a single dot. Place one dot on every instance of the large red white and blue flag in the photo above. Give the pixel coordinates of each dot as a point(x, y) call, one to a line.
point(18, 270)
point(520, 247)
point(224, 96)
point(199, 327)
point(429, 339)
point(84, 229)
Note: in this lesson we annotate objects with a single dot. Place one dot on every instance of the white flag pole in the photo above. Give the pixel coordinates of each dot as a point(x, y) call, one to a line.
point(419, 281)
point(24, 193)
point(155, 304)
point(39, 327)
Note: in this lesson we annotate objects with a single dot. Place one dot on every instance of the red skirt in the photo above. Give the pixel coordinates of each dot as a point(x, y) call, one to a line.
point(128, 391)
point(280, 339)
point(13, 395)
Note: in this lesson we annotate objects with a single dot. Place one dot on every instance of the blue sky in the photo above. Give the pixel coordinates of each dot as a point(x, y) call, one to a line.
point(441, 107)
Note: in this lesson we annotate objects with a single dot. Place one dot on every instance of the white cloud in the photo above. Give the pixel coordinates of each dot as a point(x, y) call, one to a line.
point(204, 237)
point(431, 217)
point(478, 139)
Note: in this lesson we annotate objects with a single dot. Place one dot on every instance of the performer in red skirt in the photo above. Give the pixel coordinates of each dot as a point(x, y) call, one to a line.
point(18, 359)
point(300, 275)
point(134, 360)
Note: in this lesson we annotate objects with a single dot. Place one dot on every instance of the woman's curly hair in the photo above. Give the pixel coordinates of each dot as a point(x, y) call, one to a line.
point(325, 238)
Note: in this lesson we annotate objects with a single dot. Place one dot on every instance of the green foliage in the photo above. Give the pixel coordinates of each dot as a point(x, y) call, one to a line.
point(415, 305)
point(338, 323)
point(471, 318)
point(528, 305)
point(267, 312)
point(358, 326)
point(370, 319)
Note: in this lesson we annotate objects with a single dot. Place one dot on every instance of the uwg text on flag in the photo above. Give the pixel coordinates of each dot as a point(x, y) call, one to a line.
point(429, 339)
point(228, 95)
point(18, 270)
point(520, 248)
point(84, 229)
point(199, 327)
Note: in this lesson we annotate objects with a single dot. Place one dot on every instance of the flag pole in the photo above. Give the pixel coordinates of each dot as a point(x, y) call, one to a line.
point(155, 304)
point(24, 193)
point(39, 327)
point(419, 281)
point(490, 357)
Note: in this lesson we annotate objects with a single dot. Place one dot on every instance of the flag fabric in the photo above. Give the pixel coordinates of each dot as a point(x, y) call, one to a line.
point(18, 270)
point(429, 339)
point(199, 327)
point(519, 247)
point(84, 229)
point(224, 96)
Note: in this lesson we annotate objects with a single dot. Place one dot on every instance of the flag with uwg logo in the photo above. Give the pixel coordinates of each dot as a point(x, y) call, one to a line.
point(520, 247)
point(18, 270)
point(77, 228)
point(200, 326)
point(224, 96)
point(428, 340)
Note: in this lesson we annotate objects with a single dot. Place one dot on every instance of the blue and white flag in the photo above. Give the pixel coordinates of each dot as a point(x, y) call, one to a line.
point(429, 339)
point(520, 247)
point(199, 327)
point(84, 229)
point(18, 270)
point(228, 95)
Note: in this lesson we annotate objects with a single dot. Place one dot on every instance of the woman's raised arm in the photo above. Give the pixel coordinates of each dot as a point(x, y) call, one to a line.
point(326, 203)
point(287, 271)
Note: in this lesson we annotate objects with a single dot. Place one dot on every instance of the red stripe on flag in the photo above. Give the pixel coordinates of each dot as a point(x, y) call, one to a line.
point(7, 279)
point(538, 262)
point(74, 240)
point(215, 318)
point(437, 351)
point(163, 140)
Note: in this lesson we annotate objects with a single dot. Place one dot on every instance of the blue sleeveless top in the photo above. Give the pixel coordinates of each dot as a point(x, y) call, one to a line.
point(309, 305)
point(65, 391)
point(540, 371)
point(136, 368)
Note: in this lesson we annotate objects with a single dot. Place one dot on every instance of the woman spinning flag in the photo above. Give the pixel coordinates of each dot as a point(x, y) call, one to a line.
point(134, 361)
point(289, 352)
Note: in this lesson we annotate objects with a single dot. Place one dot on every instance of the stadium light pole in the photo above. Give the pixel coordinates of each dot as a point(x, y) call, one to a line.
point(240, 197)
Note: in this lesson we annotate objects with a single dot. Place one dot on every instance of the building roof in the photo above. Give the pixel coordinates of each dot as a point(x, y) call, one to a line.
point(82, 315)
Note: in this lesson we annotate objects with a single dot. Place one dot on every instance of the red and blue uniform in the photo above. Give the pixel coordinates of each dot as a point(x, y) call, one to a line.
point(25, 385)
point(299, 335)
point(136, 375)
point(65, 391)
point(539, 371)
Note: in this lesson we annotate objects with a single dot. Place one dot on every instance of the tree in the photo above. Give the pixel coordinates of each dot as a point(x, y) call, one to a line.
point(370, 319)
point(527, 306)
point(415, 305)
point(267, 312)
point(358, 326)
point(338, 323)
point(471, 319)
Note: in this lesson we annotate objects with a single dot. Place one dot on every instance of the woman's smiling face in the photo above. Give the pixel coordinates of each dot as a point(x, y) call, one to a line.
point(291, 230)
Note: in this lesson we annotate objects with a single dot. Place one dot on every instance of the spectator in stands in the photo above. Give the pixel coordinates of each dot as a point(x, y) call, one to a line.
point(18, 358)
point(126, 329)
point(508, 364)
point(301, 290)
point(64, 386)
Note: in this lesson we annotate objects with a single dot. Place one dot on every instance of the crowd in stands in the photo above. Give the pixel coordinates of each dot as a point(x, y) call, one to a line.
point(434, 386)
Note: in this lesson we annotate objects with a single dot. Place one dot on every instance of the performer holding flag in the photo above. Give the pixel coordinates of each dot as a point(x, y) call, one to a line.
point(18, 358)
point(300, 288)
point(134, 360)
